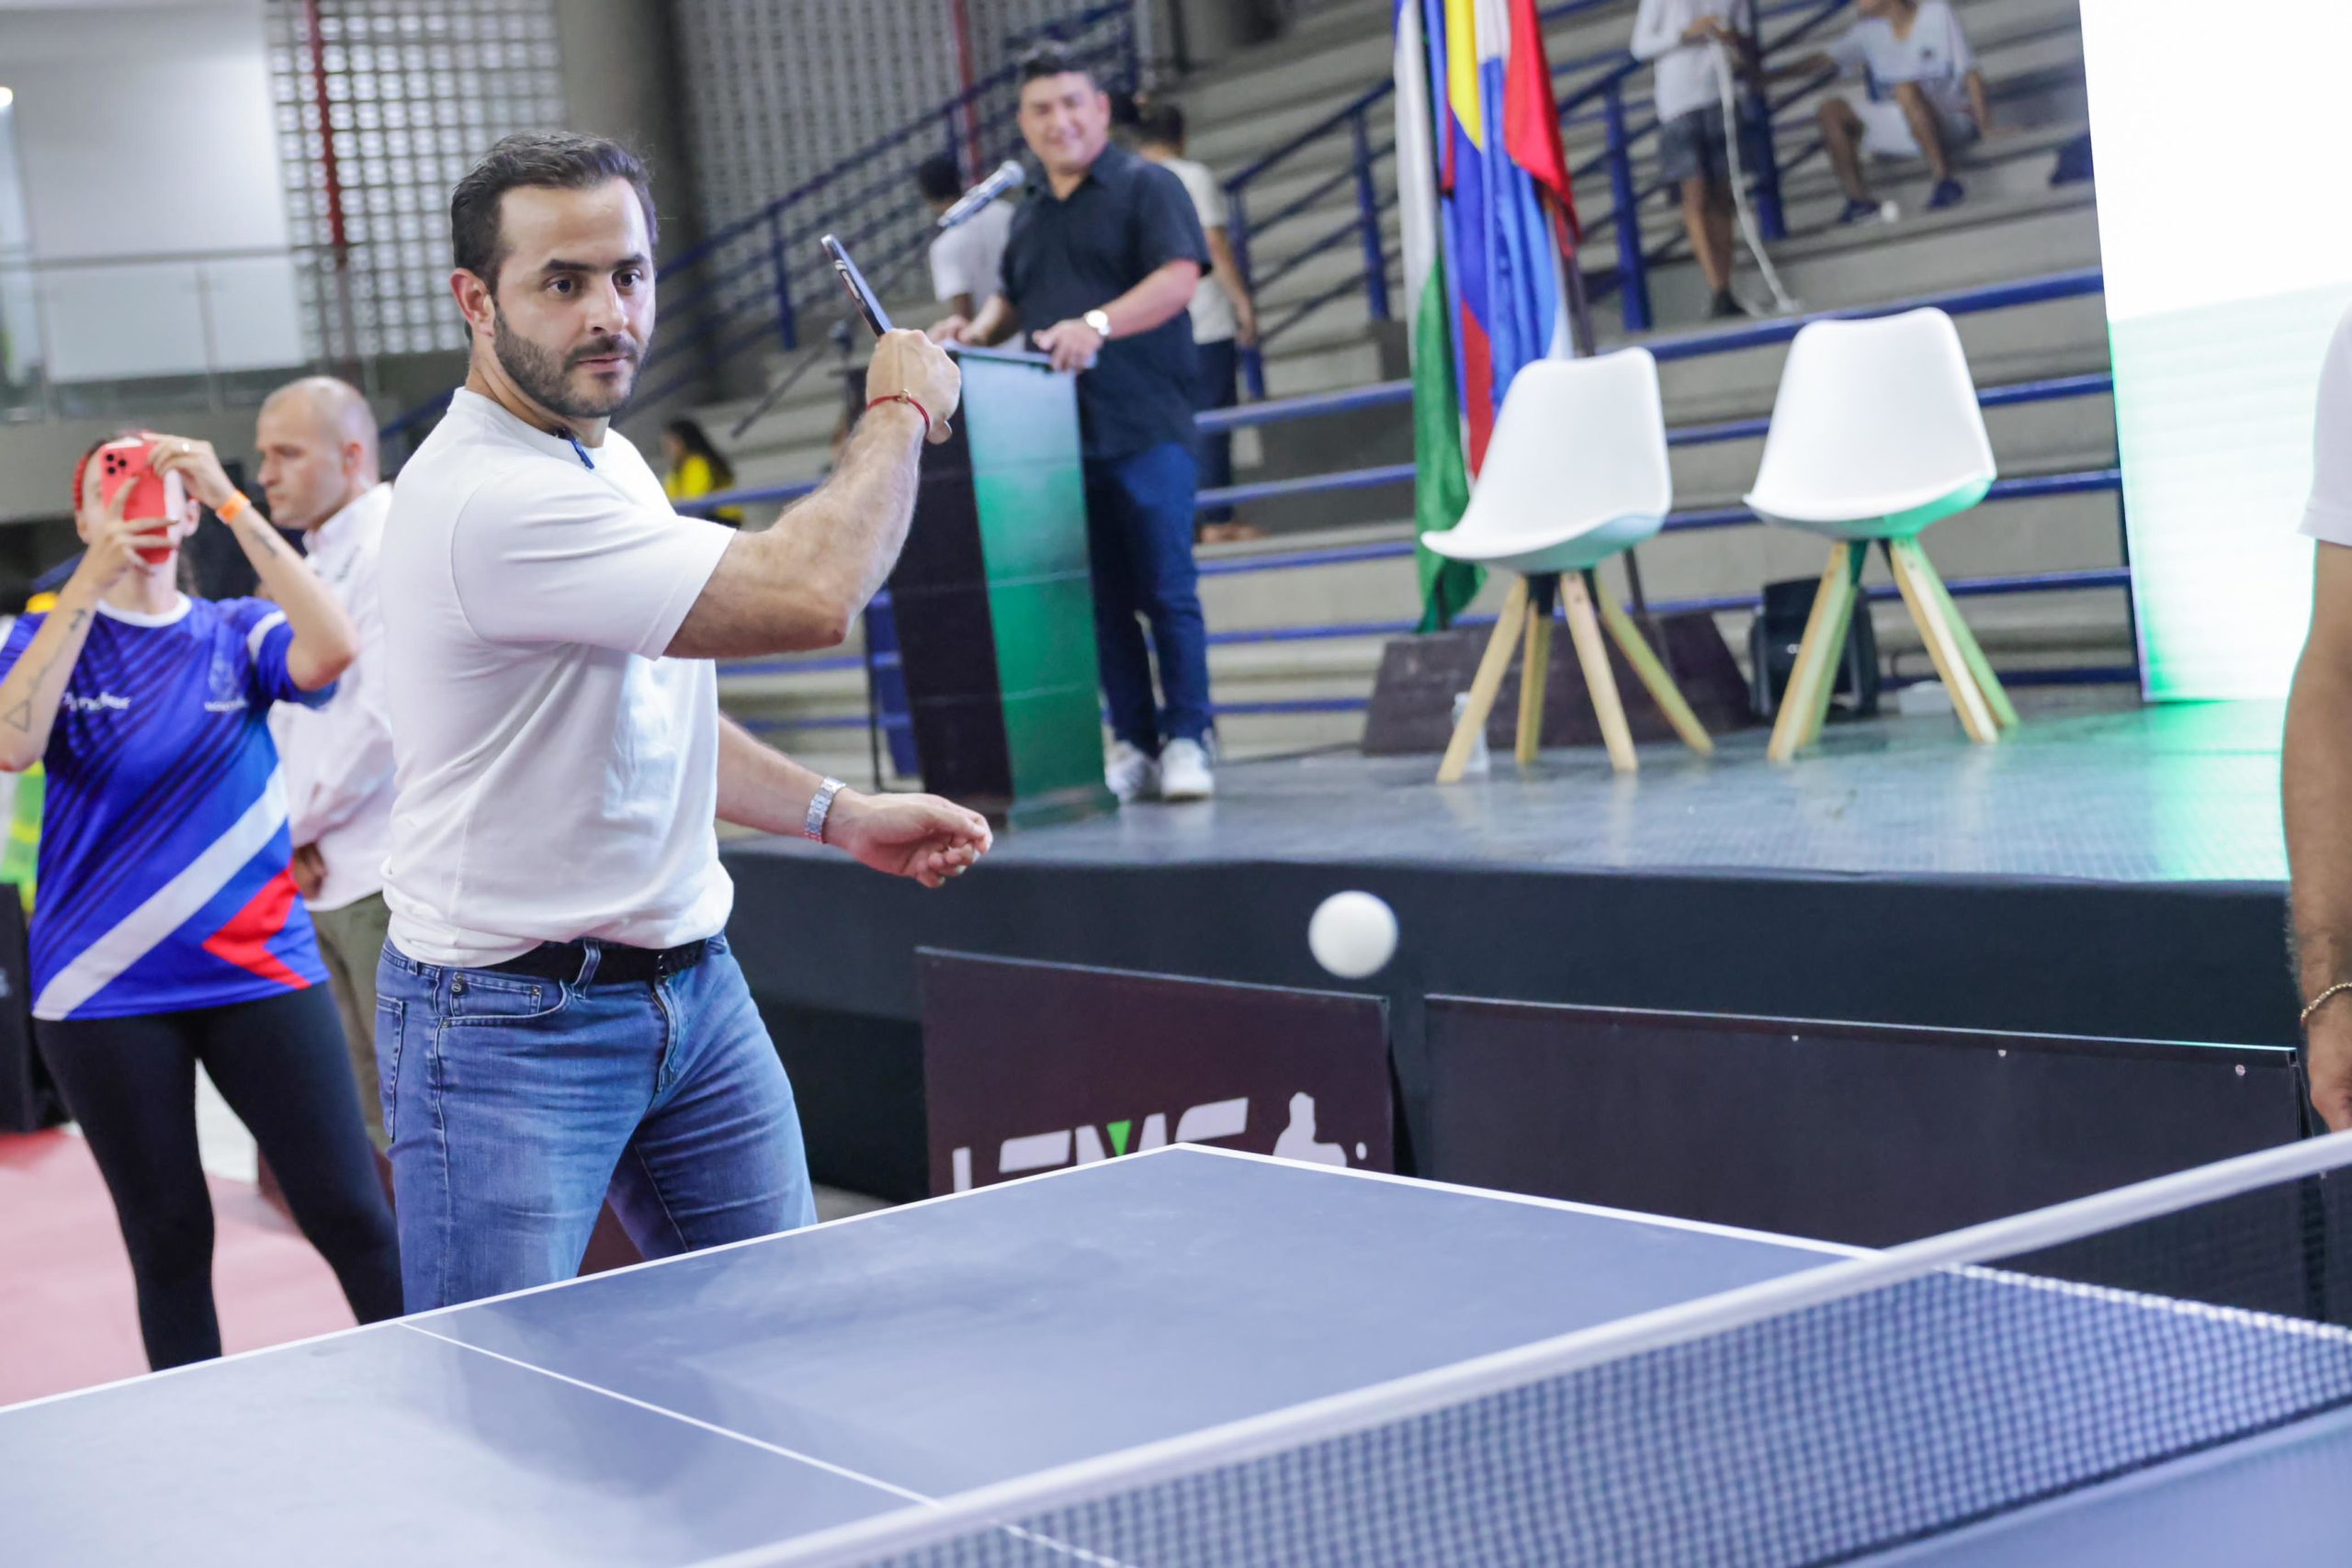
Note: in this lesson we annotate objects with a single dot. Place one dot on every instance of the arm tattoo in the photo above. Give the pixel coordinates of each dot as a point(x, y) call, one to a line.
point(20, 718)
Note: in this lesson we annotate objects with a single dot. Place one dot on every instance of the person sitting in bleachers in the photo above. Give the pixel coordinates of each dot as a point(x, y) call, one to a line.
point(1915, 53)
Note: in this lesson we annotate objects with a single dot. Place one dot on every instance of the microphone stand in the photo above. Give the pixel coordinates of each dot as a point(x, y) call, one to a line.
point(838, 334)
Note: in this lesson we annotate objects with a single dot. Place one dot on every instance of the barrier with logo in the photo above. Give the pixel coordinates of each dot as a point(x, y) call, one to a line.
point(1030, 1067)
point(1870, 1133)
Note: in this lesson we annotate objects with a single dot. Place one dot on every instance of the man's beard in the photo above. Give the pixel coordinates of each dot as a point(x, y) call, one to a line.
point(548, 379)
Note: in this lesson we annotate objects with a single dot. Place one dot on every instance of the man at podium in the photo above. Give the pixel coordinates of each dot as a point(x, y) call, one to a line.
point(1099, 269)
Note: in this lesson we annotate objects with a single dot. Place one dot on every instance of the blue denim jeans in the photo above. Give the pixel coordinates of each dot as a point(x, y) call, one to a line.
point(515, 1103)
point(1219, 387)
point(1140, 533)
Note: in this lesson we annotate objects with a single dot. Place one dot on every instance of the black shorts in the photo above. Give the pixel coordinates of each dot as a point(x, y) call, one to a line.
point(1691, 145)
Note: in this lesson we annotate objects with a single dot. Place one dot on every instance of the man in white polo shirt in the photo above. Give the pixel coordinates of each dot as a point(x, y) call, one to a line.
point(558, 1012)
point(320, 470)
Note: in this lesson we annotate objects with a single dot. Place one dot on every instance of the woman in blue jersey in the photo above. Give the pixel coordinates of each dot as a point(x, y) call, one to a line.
point(168, 933)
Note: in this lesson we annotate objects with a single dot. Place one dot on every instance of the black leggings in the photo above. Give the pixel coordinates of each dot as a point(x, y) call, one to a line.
point(279, 1063)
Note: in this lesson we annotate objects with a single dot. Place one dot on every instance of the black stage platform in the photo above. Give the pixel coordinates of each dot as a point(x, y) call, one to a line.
point(2110, 873)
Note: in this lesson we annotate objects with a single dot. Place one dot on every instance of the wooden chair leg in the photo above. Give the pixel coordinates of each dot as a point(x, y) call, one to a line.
point(1951, 666)
point(1592, 654)
point(1850, 604)
point(1654, 676)
point(1535, 666)
point(1807, 701)
point(1488, 684)
point(1997, 697)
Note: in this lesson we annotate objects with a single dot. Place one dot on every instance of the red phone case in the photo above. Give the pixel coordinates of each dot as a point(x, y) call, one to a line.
point(129, 461)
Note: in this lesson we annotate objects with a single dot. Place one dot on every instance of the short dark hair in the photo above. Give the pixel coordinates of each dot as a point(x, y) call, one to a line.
point(938, 178)
point(1053, 60)
point(1162, 124)
point(542, 160)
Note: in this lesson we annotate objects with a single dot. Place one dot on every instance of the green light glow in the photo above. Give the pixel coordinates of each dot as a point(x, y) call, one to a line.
point(2224, 282)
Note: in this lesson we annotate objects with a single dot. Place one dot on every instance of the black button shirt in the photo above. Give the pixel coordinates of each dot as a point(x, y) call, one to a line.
point(1064, 258)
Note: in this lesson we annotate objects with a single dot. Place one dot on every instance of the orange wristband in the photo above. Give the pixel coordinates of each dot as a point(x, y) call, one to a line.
point(234, 508)
point(904, 398)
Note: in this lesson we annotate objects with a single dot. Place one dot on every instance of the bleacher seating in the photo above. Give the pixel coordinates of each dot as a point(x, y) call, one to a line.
point(1282, 693)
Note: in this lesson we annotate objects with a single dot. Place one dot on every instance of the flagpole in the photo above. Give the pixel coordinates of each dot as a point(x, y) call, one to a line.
point(1571, 273)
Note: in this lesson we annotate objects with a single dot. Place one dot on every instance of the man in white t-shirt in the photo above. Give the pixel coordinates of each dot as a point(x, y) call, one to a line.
point(2318, 762)
point(1684, 40)
point(558, 1011)
point(968, 261)
point(1927, 98)
point(1225, 318)
point(320, 472)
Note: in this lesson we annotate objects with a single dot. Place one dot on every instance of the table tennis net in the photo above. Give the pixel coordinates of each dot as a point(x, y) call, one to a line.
point(1875, 1402)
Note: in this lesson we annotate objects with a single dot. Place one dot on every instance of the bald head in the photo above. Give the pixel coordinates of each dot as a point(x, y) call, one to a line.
point(317, 438)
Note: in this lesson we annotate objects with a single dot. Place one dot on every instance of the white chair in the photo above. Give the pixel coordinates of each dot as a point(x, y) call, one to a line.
point(1876, 434)
point(1577, 471)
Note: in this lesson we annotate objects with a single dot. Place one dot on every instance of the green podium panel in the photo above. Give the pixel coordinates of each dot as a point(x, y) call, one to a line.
point(994, 605)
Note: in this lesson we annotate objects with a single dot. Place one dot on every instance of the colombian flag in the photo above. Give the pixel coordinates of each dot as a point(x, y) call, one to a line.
point(1489, 222)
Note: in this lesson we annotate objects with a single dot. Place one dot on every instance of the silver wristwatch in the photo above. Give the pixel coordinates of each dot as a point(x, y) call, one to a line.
point(820, 806)
point(1101, 321)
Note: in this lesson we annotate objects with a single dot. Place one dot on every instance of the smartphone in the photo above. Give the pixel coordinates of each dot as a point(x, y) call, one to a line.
point(855, 281)
point(156, 498)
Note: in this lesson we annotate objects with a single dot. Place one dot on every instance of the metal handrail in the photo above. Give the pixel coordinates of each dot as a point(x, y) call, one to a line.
point(1607, 91)
point(707, 299)
point(2074, 283)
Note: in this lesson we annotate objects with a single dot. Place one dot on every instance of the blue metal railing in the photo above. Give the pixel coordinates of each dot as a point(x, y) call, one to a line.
point(2078, 282)
point(747, 282)
point(2030, 291)
point(1604, 100)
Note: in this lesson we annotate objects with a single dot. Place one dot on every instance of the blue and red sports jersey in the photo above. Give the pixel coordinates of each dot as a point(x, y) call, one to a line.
point(163, 854)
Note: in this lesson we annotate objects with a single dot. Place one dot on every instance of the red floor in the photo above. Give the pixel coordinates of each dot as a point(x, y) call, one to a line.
point(67, 1319)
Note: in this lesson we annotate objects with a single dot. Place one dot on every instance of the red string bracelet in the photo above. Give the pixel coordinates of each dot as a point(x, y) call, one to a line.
point(904, 398)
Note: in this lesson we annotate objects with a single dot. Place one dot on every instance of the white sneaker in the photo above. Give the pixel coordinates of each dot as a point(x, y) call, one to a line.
point(1131, 775)
point(1184, 772)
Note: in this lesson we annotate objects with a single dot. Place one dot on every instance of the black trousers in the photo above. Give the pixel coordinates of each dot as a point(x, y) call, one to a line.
point(279, 1063)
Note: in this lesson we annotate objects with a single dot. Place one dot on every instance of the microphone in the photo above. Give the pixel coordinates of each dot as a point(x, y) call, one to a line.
point(1009, 178)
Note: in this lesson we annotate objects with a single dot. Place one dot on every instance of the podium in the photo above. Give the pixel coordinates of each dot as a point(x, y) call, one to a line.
point(993, 602)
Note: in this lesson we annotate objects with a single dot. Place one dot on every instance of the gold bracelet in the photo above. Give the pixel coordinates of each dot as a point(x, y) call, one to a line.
point(2321, 999)
point(234, 508)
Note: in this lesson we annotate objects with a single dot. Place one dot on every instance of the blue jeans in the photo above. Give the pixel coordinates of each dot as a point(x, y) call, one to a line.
point(1140, 533)
point(1219, 387)
point(514, 1103)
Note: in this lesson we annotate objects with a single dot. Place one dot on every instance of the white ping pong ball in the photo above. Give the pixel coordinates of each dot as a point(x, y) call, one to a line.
point(1352, 935)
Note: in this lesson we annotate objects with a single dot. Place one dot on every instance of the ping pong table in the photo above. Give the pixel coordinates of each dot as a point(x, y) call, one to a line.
point(749, 1403)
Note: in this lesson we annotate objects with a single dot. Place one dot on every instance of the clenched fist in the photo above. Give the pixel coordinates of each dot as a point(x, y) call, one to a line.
point(911, 364)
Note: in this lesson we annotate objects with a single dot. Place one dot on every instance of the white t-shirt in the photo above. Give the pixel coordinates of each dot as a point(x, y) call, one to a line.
point(2329, 515)
point(969, 258)
point(1686, 72)
point(1935, 55)
point(1212, 318)
point(556, 777)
